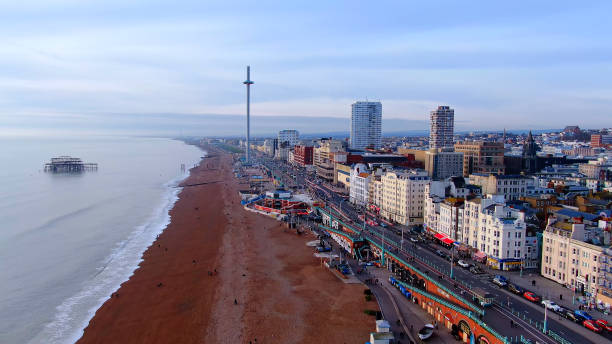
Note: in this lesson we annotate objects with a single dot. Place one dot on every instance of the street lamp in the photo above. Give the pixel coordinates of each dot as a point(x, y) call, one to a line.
point(452, 260)
point(545, 319)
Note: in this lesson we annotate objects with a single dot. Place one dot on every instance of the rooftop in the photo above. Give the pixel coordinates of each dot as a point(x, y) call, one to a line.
point(574, 213)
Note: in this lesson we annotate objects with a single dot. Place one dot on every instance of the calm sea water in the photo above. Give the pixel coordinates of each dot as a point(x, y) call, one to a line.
point(68, 241)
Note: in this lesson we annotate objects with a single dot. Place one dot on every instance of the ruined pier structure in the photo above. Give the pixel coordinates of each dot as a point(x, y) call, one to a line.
point(67, 164)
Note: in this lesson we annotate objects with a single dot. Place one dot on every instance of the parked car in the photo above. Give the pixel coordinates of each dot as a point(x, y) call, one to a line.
point(426, 332)
point(604, 324)
point(531, 296)
point(414, 240)
point(383, 225)
point(571, 316)
point(592, 325)
point(501, 278)
point(500, 282)
point(515, 289)
point(463, 264)
point(551, 305)
point(562, 310)
point(583, 314)
point(476, 270)
point(440, 253)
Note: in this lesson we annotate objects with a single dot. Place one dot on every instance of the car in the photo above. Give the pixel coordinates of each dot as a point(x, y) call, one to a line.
point(426, 332)
point(551, 305)
point(501, 278)
point(440, 253)
point(583, 314)
point(531, 296)
point(414, 240)
point(383, 225)
point(569, 314)
point(500, 282)
point(463, 264)
point(476, 271)
point(604, 324)
point(562, 310)
point(515, 289)
point(592, 325)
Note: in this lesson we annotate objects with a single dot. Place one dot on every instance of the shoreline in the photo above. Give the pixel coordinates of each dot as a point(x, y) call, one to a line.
point(168, 203)
point(218, 273)
point(72, 315)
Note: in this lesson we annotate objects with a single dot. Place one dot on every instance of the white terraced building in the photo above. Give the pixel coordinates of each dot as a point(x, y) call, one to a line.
point(360, 185)
point(496, 230)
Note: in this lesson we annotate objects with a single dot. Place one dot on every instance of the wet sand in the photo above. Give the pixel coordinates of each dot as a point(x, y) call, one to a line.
point(267, 285)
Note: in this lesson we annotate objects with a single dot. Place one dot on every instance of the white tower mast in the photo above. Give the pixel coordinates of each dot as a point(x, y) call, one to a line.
point(248, 84)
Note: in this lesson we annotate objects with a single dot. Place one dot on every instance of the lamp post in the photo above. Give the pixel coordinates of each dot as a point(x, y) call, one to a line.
point(545, 319)
point(452, 260)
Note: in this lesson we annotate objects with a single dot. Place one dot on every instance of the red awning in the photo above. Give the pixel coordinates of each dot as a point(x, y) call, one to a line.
point(480, 255)
point(447, 240)
point(440, 236)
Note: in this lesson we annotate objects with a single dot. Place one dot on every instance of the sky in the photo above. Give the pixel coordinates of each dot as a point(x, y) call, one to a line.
point(113, 65)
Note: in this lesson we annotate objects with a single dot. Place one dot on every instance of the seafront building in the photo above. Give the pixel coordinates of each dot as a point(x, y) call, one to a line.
point(496, 230)
point(323, 157)
point(360, 185)
point(303, 155)
point(443, 207)
point(366, 121)
point(402, 196)
point(442, 124)
point(577, 256)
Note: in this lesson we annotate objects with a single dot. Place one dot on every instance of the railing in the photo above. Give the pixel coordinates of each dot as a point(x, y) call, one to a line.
point(401, 261)
point(456, 308)
point(557, 337)
point(339, 232)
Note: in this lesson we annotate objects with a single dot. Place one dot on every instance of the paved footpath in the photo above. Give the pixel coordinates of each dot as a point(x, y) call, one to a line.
point(396, 306)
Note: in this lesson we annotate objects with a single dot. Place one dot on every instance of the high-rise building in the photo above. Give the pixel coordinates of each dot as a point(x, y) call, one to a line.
point(366, 118)
point(481, 157)
point(292, 137)
point(442, 124)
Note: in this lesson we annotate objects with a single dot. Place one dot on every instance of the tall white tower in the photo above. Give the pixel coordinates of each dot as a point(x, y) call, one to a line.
point(441, 130)
point(366, 118)
point(248, 84)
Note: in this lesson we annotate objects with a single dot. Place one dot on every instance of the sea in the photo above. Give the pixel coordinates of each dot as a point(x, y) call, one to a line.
point(67, 241)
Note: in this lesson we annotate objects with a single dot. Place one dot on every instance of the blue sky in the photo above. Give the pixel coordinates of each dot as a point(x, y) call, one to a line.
point(513, 64)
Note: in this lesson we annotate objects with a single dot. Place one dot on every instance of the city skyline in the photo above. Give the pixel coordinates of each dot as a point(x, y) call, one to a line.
point(66, 60)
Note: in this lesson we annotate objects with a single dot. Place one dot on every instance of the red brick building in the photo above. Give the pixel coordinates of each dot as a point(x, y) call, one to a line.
point(302, 155)
point(598, 140)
